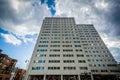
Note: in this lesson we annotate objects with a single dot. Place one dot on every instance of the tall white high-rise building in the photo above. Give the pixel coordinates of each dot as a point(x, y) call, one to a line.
point(68, 51)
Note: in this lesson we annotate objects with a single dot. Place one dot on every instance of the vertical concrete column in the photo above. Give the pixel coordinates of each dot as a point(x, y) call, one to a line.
point(91, 76)
point(78, 76)
point(61, 77)
point(27, 77)
point(44, 78)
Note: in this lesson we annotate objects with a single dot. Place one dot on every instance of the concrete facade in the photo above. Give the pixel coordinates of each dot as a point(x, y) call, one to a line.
point(68, 51)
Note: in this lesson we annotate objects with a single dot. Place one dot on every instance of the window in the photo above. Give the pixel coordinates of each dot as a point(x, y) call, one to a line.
point(41, 50)
point(7, 60)
point(54, 61)
point(80, 55)
point(94, 70)
point(54, 55)
point(39, 61)
point(68, 55)
point(77, 45)
point(40, 55)
point(78, 50)
point(38, 68)
point(0, 63)
point(53, 68)
point(92, 65)
point(44, 37)
point(115, 71)
point(104, 71)
point(111, 65)
point(76, 38)
point(1, 72)
point(76, 41)
point(83, 68)
point(54, 45)
point(81, 61)
point(85, 45)
point(69, 68)
point(54, 50)
point(66, 42)
point(68, 61)
point(67, 50)
point(42, 45)
point(4, 66)
point(44, 42)
point(55, 41)
point(67, 45)
point(101, 65)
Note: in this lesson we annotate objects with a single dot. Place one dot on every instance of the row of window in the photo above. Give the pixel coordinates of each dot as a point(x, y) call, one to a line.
point(66, 30)
point(83, 38)
point(68, 55)
point(54, 55)
point(59, 41)
point(40, 55)
point(58, 68)
point(58, 55)
point(69, 68)
point(41, 50)
point(94, 65)
point(58, 61)
point(58, 45)
point(78, 55)
point(39, 61)
point(68, 61)
point(100, 60)
point(105, 70)
point(57, 30)
point(95, 51)
point(54, 61)
point(58, 50)
point(106, 55)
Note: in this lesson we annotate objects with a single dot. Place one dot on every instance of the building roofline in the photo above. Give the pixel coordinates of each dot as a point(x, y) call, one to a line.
point(59, 17)
point(84, 24)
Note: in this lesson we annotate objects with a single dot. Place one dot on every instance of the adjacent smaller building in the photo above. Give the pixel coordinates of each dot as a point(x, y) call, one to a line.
point(7, 65)
point(19, 74)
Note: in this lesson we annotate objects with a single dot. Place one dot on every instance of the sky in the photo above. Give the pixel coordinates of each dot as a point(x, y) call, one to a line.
point(20, 23)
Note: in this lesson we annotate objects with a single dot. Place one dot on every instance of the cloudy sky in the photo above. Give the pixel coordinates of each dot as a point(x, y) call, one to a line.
point(20, 23)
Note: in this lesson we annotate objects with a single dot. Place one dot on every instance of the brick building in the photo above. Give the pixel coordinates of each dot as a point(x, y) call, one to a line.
point(19, 74)
point(7, 65)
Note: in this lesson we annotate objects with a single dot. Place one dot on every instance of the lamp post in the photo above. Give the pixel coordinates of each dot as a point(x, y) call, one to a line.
point(25, 75)
point(12, 75)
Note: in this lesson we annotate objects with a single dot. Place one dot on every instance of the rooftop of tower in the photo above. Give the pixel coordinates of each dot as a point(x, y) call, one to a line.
point(69, 18)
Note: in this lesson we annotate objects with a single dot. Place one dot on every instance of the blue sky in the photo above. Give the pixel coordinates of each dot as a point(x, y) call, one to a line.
point(20, 23)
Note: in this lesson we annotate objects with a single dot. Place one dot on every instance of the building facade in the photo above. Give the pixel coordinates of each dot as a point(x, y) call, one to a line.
point(7, 65)
point(68, 51)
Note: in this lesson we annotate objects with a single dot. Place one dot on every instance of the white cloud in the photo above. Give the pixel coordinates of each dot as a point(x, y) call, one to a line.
point(27, 18)
point(9, 38)
point(15, 4)
point(101, 4)
point(110, 41)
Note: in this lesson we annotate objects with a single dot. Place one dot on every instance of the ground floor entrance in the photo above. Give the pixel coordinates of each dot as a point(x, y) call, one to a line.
point(105, 77)
point(59, 77)
point(73, 77)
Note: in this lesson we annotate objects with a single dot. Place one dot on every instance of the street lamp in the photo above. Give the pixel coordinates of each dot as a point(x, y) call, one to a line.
point(25, 75)
point(12, 75)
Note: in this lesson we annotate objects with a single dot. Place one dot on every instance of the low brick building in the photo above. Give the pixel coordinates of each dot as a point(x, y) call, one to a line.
point(7, 65)
point(19, 74)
